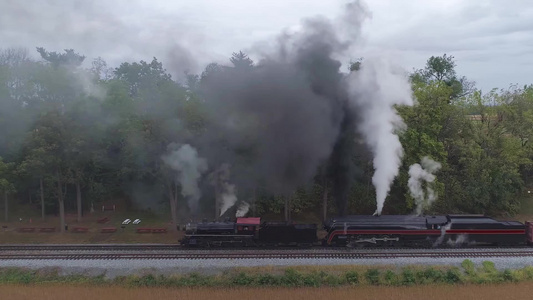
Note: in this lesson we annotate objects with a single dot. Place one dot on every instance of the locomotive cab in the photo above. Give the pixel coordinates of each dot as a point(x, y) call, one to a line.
point(436, 222)
point(247, 226)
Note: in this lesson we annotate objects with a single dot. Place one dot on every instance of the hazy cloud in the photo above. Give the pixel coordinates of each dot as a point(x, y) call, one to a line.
point(491, 40)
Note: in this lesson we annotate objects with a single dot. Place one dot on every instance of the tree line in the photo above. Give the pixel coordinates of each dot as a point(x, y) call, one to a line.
point(74, 137)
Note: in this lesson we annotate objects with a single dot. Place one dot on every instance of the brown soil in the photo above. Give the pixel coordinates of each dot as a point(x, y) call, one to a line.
point(444, 292)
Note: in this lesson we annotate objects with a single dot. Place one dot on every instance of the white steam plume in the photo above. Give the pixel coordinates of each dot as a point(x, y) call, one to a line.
point(220, 178)
point(228, 197)
point(242, 210)
point(375, 89)
point(418, 174)
point(190, 167)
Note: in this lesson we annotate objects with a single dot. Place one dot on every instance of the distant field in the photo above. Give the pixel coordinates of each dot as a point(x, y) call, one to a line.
point(58, 292)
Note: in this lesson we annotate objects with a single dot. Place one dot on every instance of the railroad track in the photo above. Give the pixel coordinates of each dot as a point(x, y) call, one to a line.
point(176, 247)
point(88, 247)
point(251, 255)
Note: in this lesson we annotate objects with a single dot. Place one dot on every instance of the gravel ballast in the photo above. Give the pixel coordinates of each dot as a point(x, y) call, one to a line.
point(113, 268)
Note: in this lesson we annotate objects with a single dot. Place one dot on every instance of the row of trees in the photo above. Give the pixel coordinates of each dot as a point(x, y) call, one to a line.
point(76, 137)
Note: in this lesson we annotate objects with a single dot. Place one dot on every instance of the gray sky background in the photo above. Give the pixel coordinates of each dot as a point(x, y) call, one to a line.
point(491, 40)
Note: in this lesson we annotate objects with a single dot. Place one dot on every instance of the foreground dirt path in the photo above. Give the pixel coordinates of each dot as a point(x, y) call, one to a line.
point(446, 292)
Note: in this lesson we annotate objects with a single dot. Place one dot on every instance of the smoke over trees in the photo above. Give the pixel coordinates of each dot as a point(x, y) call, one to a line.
point(288, 129)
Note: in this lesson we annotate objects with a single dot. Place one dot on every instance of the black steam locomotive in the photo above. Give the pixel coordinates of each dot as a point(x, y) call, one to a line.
point(361, 231)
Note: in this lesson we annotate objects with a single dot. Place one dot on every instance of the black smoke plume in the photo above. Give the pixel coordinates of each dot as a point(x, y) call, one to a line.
point(278, 121)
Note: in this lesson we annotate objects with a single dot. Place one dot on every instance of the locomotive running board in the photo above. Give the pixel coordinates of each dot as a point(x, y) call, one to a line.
point(375, 240)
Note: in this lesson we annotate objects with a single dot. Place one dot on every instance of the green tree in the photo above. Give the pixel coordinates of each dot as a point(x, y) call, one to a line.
point(6, 185)
point(241, 60)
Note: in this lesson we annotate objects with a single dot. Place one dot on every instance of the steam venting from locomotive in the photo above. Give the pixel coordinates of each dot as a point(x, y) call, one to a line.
point(421, 175)
point(375, 89)
point(224, 190)
point(276, 121)
point(294, 112)
point(189, 167)
point(242, 210)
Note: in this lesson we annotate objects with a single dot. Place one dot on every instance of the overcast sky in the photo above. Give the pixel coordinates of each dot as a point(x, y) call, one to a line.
point(491, 40)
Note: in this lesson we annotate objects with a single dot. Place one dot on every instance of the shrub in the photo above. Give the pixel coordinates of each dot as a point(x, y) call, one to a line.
point(488, 267)
point(313, 279)
point(147, 280)
point(16, 275)
point(433, 276)
point(372, 276)
point(453, 276)
point(292, 278)
point(333, 280)
point(352, 277)
point(487, 273)
point(242, 279)
point(194, 279)
point(391, 278)
point(507, 275)
point(513, 275)
point(408, 277)
point(469, 267)
point(528, 272)
point(268, 280)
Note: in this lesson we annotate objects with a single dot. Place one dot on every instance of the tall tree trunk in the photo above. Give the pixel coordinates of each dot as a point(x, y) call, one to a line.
point(217, 198)
point(287, 209)
point(78, 199)
point(61, 203)
point(173, 197)
point(42, 197)
point(325, 202)
point(29, 197)
point(254, 200)
point(6, 207)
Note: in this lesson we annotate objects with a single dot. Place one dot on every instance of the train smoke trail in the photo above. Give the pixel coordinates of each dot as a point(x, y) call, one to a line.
point(242, 210)
point(226, 191)
point(190, 168)
point(276, 121)
point(295, 111)
point(418, 175)
point(376, 89)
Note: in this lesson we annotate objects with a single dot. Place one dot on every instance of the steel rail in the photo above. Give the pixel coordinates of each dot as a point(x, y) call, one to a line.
point(176, 247)
point(87, 247)
point(278, 255)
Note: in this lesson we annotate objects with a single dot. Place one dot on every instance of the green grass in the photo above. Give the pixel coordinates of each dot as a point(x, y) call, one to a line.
point(408, 276)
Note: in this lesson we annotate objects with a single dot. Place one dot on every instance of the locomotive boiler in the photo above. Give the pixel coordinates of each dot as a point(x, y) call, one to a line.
point(362, 231)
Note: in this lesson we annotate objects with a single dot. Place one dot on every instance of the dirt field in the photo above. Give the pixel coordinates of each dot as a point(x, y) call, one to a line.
point(499, 292)
point(10, 233)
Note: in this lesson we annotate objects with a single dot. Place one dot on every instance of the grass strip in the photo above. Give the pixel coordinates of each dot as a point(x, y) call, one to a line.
point(486, 273)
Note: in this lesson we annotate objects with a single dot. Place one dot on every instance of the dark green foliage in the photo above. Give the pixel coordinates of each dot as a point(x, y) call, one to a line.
point(352, 277)
point(290, 278)
point(391, 278)
point(408, 277)
point(242, 279)
point(432, 275)
point(268, 280)
point(468, 267)
point(372, 276)
point(488, 267)
point(453, 276)
point(507, 275)
point(107, 133)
